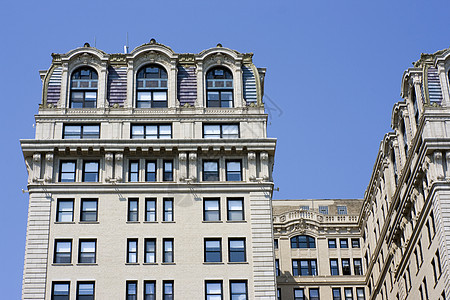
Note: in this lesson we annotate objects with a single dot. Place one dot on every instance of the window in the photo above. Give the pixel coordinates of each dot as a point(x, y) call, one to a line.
point(219, 88)
point(210, 171)
point(149, 290)
point(234, 170)
point(85, 290)
point(67, 171)
point(343, 243)
point(235, 207)
point(64, 210)
point(278, 294)
point(323, 210)
point(168, 209)
point(430, 237)
point(63, 252)
point(150, 251)
point(151, 132)
point(336, 294)
point(60, 290)
point(81, 132)
point(341, 210)
point(150, 210)
point(213, 290)
point(238, 290)
point(357, 266)
point(304, 267)
point(88, 210)
point(90, 171)
point(87, 254)
point(168, 170)
point(303, 241)
point(334, 267)
point(168, 290)
point(332, 243)
point(438, 260)
point(133, 171)
point(211, 210)
point(346, 266)
point(425, 287)
point(150, 171)
point(355, 243)
point(131, 290)
point(304, 207)
point(213, 252)
point(133, 212)
point(314, 294)
point(132, 245)
point(221, 131)
point(277, 267)
point(275, 244)
point(83, 89)
point(168, 251)
point(151, 87)
point(236, 249)
point(299, 294)
point(360, 294)
point(348, 293)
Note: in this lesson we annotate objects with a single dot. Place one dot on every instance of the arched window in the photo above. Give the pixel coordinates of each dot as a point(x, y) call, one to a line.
point(219, 88)
point(83, 88)
point(303, 241)
point(151, 87)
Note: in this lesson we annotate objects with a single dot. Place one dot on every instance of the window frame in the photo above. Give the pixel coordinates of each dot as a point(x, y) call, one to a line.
point(59, 297)
point(348, 297)
point(132, 256)
point(310, 242)
point(346, 270)
point(56, 254)
point(59, 211)
point(171, 284)
point(219, 90)
point(231, 250)
point(333, 243)
point(230, 212)
point(85, 162)
point(334, 269)
point(358, 270)
point(83, 90)
point(356, 243)
point(213, 212)
point(82, 135)
point(230, 174)
point(212, 251)
point(148, 136)
point(83, 297)
point(147, 173)
point(148, 252)
point(167, 252)
point(313, 297)
point(245, 283)
point(128, 294)
point(213, 296)
point(215, 175)
point(150, 212)
point(168, 175)
point(133, 214)
point(146, 293)
point(84, 253)
point(221, 133)
point(133, 176)
point(84, 213)
point(152, 90)
point(343, 243)
point(297, 271)
point(74, 172)
point(299, 297)
point(168, 210)
point(336, 297)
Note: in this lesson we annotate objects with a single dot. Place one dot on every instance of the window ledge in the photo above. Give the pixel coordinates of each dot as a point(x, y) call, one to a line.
point(89, 222)
point(168, 263)
point(133, 222)
point(168, 222)
point(151, 222)
point(132, 264)
point(212, 221)
point(150, 264)
point(238, 262)
point(56, 264)
point(213, 263)
point(87, 264)
point(64, 223)
point(236, 221)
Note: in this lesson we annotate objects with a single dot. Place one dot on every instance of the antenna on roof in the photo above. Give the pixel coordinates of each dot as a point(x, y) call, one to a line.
point(125, 48)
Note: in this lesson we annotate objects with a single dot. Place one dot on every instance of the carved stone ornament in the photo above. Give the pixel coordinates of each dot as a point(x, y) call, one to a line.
point(36, 157)
point(264, 156)
point(438, 155)
point(251, 156)
point(118, 58)
point(86, 58)
point(49, 157)
point(283, 218)
point(183, 156)
point(119, 157)
point(108, 156)
point(192, 156)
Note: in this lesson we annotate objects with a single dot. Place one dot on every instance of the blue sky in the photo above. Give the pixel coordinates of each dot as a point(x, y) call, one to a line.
point(333, 74)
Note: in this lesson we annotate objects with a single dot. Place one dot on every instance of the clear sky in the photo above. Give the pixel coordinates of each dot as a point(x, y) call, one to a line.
point(334, 71)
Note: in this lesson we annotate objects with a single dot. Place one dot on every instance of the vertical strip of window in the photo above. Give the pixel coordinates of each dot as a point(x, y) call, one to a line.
point(132, 248)
point(236, 249)
point(355, 243)
point(168, 170)
point(87, 252)
point(168, 210)
point(133, 210)
point(89, 210)
point(131, 290)
point(85, 290)
point(357, 266)
point(213, 289)
point(151, 87)
point(211, 210)
point(150, 251)
point(336, 293)
point(348, 293)
point(168, 251)
point(277, 267)
point(238, 289)
point(133, 171)
point(168, 290)
point(278, 293)
point(150, 171)
point(332, 243)
point(213, 250)
point(234, 170)
point(150, 210)
point(299, 294)
point(60, 290)
point(210, 171)
point(314, 294)
point(334, 267)
point(360, 294)
point(64, 210)
point(63, 252)
point(90, 171)
point(219, 88)
point(346, 266)
point(343, 243)
point(149, 290)
point(235, 209)
point(67, 171)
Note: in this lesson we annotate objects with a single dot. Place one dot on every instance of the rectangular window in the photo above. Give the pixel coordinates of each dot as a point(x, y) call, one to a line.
point(348, 293)
point(60, 290)
point(334, 266)
point(278, 294)
point(150, 171)
point(132, 251)
point(238, 290)
point(357, 266)
point(67, 171)
point(342, 210)
point(133, 211)
point(90, 171)
point(213, 250)
point(168, 209)
point(299, 294)
point(149, 290)
point(87, 252)
point(343, 243)
point(277, 267)
point(63, 252)
point(236, 250)
point(131, 290)
point(346, 266)
point(168, 170)
point(304, 267)
point(85, 290)
point(438, 260)
point(360, 294)
point(81, 132)
point(210, 171)
point(323, 210)
point(304, 207)
point(168, 291)
point(217, 131)
point(64, 210)
point(275, 244)
point(154, 131)
point(133, 171)
point(213, 290)
point(168, 251)
point(150, 210)
point(332, 243)
point(234, 170)
point(314, 294)
point(88, 210)
point(150, 251)
point(235, 209)
point(211, 210)
point(336, 294)
point(355, 243)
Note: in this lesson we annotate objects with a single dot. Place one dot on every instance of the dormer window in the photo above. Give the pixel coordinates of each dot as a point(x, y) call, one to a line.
point(219, 88)
point(83, 88)
point(151, 87)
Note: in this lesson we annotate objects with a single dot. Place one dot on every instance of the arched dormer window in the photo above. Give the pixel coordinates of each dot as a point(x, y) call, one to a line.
point(83, 88)
point(303, 241)
point(151, 87)
point(219, 88)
